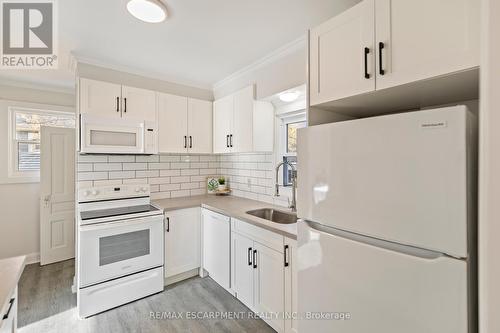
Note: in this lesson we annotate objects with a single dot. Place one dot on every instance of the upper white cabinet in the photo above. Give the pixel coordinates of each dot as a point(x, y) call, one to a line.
point(115, 100)
point(100, 98)
point(379, 44)
point(238, 118)
point(200, 126)
point(342, 61)
point(182, 241)
point(185, 124)
point(138, 103)
point(417, 40)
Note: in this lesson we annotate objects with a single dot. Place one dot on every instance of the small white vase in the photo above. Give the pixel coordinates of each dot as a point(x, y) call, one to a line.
point(222, 187)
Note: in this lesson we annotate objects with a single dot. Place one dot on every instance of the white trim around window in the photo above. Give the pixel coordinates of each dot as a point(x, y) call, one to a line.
point(15, 175)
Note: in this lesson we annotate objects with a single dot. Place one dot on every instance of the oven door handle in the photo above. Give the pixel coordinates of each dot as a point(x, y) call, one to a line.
point(121, 223)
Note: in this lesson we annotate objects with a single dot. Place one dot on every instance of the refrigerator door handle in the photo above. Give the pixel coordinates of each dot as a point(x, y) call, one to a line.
point(392, 246)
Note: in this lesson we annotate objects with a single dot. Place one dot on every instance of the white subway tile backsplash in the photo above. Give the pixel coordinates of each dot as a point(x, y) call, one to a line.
point(135, 166)
point(121, 158)
point(121, 174)
point(175, 175)
point(107, 166)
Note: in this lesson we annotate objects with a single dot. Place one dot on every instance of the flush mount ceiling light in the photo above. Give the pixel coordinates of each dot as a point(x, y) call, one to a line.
point(289, 96)
point(150, 11)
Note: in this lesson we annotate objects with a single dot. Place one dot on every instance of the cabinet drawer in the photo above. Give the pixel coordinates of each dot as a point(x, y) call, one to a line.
point(263, 236)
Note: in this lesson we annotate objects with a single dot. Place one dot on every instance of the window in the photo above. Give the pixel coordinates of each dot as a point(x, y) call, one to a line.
point(288, 148)
point(24, 138)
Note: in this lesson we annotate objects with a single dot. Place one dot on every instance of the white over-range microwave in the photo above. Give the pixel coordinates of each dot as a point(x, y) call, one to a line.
point(104, 135)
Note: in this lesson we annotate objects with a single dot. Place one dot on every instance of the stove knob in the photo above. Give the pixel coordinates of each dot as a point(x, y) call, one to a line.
point(86, 193)
point(95, 192)
point(144, 189)
point(137, 189)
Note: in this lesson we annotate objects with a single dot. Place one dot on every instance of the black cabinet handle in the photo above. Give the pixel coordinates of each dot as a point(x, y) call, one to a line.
point(125, 107)
point(190, 141)
point(254, 258)
point(230, 140)
point(381, 47)
point(185, 141)
point(285, 256)
point(117, 104)
point(227, 141)
point(366, 52)
point(249, 256)
point(168, 224)
point(11, 303)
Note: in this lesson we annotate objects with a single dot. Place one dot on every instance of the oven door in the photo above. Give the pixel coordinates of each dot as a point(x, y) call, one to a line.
point(111, 136)
point(110, 250)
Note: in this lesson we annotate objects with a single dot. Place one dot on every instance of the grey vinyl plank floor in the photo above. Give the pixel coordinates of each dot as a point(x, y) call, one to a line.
point(46, 304)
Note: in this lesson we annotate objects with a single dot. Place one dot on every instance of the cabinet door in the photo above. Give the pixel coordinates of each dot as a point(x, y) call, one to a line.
point(182, 241)
point(223, 122)
point(263, 127)
point(269, 286)
point(242, 132)
point(424, 39)
point(172, 123)
point(291, 292)
point(216, 247)
point(138, 104)
point(242, 268)
point(100, 98)
point(342, 55)
point(200, 120)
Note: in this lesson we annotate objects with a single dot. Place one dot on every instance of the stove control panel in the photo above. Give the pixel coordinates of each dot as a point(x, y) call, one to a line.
point(113, 192)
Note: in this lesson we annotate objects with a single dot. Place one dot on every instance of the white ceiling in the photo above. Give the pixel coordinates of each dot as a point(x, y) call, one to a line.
point(201, 43)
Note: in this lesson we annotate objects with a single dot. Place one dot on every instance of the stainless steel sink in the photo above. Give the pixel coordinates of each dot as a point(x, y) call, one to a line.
point(274, 215)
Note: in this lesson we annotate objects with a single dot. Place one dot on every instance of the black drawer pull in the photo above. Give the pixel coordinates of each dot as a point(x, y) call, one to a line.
point(185, 141)
point(381, 47)
point(118, 104)
point(168, 224)
point(227, 141)
point(190, 141)
point(285, 256)
point(254, 258)
point(125, 108)
point(230, 140)
point(249, 256)
point(366, 51)
point(11, 303)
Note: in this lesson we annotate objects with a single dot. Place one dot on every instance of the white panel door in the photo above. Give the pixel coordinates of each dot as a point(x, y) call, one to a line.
point(138, 104)
point(291, 285)
point(381, 289)
point(182, 241)
point(100, 98)
point(424, 39)
point(172, 123)
point(57, 193)
point(217, 247)
point(408, 172)
point(223, 124)
point(241, 136)
point(342, 55)
point(242, 270)
point(200, 120)
point(269, 288)
point(263, 127)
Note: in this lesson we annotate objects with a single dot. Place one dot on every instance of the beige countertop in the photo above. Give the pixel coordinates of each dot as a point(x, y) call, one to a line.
point(234, 207)
point(10, 272)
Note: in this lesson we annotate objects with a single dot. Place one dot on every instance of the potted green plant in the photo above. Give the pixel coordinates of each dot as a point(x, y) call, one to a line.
point(222, 184)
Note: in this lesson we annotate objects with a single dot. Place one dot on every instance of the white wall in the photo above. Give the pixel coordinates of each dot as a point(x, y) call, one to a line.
point(489, 182)
point(19, 203)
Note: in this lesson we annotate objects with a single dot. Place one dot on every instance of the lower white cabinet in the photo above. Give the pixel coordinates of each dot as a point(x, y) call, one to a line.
point(263, 275)
point(291, 291)
point(216, 247)
point(9, 322)
point(182, 241)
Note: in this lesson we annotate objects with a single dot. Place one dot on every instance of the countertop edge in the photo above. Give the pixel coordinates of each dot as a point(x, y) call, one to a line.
point(19, 264)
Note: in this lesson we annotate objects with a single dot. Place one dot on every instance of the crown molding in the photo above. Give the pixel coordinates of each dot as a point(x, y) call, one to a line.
point(277, 54)
point(76, 59)
point(39, 85)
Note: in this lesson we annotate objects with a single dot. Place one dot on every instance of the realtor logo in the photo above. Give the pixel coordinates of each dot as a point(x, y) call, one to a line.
point(28, 34)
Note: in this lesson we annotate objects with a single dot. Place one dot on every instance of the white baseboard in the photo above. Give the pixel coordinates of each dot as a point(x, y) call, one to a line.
point(32, 258)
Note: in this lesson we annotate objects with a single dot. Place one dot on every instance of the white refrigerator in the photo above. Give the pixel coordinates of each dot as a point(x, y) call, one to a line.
point(386, 238)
